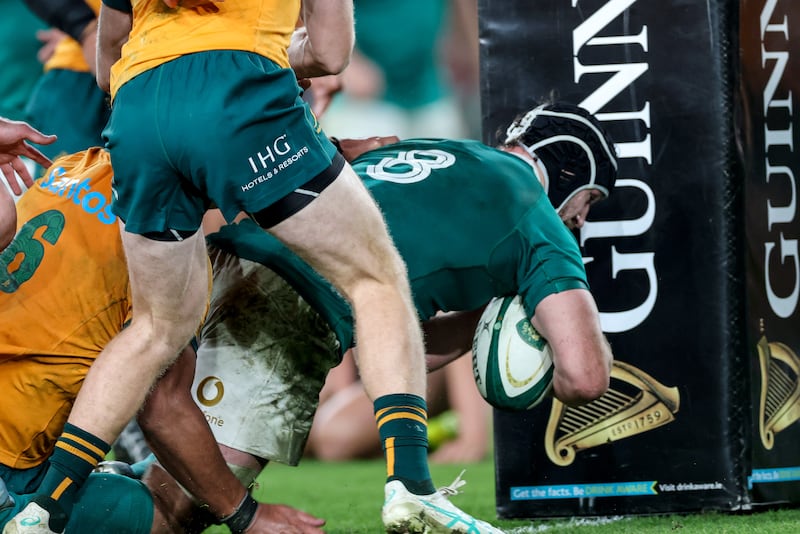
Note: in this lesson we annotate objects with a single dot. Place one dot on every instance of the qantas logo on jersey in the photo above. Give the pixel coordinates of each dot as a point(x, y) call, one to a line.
point(80, 192)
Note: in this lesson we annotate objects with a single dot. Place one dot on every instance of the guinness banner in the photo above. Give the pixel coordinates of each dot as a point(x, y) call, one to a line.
point(693, 261)
point(769, 130)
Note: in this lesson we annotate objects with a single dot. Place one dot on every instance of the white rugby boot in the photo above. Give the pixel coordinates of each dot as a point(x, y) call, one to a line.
point(406, 513)
point(34, 519)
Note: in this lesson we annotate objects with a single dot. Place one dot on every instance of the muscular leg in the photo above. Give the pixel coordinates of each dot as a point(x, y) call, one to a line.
point(169, 298)
point(581, 355)
point(342, 234)
point(169, 283)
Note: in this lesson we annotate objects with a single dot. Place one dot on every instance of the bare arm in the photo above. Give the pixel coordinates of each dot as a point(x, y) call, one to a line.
point(324, 43)
point(581, 355)
point(113, 29)
point(180, 437)
point(449, 336)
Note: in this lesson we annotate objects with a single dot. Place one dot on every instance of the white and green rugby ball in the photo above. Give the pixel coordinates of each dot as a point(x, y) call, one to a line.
point(511, 361)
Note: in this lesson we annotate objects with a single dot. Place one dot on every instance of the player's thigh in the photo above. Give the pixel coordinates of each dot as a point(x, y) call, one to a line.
point(342, 233)
point(169, 279)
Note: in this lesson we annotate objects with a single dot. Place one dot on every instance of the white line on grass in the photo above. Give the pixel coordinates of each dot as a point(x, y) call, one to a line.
point(574, 522)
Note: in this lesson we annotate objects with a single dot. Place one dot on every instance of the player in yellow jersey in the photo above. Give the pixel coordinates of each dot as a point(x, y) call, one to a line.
point(44, 356)
point(68, 102)
point(66, 99)
point(206, 109)
point(64, 294)
point(73, 17)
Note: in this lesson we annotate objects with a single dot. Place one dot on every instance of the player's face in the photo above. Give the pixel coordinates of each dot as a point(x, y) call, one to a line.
point(576, 209)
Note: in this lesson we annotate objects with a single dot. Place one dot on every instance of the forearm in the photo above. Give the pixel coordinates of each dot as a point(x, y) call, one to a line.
point(448, 336)
point(72, 17)
point(112, 32)
point(183, 443)
point(325, 42)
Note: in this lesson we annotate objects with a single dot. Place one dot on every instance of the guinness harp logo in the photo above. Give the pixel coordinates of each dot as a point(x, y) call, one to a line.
point(634, 403)
point(779, 402)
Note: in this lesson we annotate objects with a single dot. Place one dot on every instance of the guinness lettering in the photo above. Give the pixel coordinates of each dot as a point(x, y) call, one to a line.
point(781, 260)
point(622, 76)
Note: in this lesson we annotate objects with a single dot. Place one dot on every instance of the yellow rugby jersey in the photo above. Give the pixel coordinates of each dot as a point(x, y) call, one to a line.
point(160, 34)
point(68, 54)
point(64, 295)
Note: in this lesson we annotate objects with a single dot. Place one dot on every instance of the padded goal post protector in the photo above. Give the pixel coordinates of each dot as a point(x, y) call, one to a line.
point(769, 134)
point(665, 256)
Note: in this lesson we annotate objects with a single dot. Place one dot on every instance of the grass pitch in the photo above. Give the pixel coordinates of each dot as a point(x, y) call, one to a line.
point(349, 496)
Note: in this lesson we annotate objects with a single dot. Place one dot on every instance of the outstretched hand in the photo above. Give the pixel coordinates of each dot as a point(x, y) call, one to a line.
point(271, 518)
point(14, 137)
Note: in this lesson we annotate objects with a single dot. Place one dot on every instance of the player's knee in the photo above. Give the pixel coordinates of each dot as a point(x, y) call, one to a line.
point(162, 338)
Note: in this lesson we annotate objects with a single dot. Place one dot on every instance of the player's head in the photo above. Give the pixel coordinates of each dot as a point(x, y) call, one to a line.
point(575, 150)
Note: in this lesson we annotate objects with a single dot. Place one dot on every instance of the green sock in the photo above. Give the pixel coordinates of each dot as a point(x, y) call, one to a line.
point(403, 427)
point(76, 453)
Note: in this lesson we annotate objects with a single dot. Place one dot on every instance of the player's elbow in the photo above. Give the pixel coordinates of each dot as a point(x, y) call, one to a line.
point(575, 387)
point(577, 393)
point(331, 63)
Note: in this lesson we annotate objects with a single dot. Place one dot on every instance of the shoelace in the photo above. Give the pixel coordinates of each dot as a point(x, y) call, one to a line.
point(453, 487)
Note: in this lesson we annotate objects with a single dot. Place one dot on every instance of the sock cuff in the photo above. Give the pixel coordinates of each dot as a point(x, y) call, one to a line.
point(398, 400)
point(82, 444)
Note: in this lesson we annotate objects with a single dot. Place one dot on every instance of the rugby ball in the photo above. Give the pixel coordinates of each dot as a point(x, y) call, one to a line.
point(511, 361)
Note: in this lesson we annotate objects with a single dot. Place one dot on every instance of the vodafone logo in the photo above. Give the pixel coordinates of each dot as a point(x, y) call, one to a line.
point(210, 391)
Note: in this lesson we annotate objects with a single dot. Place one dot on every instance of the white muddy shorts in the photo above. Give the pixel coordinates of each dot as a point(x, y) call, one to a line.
point(262, 359)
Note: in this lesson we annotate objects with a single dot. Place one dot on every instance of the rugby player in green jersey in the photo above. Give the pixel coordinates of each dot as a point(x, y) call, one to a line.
point(472, 223)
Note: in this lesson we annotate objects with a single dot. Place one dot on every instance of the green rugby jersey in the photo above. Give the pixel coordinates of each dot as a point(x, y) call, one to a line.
point(472, 223)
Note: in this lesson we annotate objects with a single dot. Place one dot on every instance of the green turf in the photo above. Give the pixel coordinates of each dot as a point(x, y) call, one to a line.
point(349, 496)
